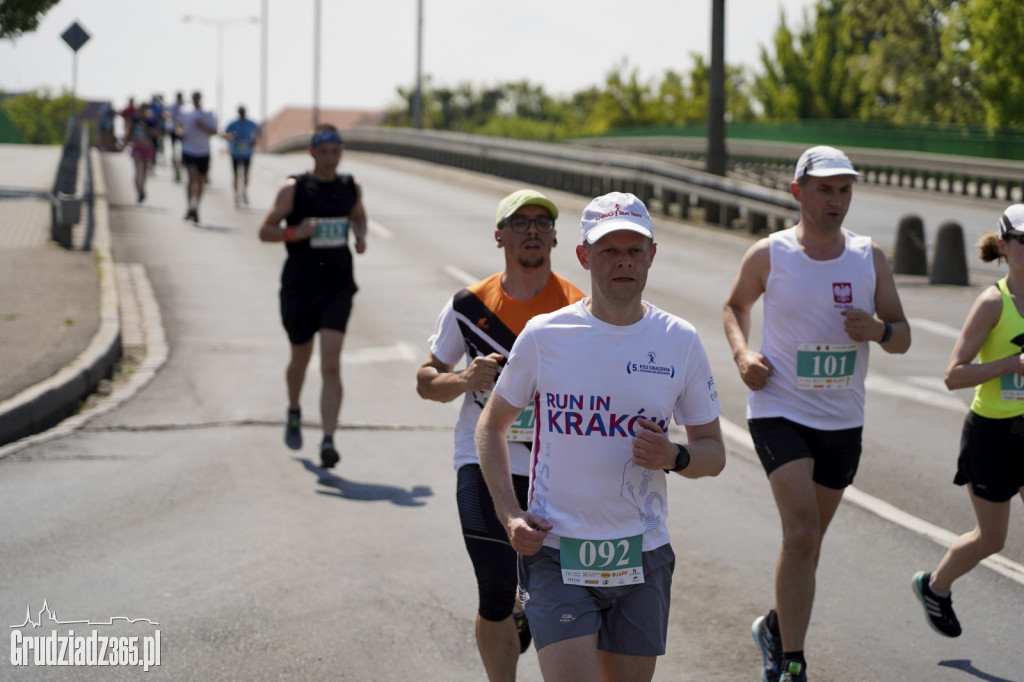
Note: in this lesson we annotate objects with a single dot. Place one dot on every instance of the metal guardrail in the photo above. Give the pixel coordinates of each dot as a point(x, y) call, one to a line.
point(90, 195)
point(676, 186)
point(665, 186)
point(772, 163)
point(65, 201)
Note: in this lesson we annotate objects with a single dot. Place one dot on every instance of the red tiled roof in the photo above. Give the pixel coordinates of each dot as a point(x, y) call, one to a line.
point(297, 121)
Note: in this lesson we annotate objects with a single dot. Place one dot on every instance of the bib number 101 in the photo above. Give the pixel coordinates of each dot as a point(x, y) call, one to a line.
point(829, 365)
point(825, 366)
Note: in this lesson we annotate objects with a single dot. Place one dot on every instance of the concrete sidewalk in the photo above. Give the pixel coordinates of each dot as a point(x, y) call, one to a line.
point(60, 326)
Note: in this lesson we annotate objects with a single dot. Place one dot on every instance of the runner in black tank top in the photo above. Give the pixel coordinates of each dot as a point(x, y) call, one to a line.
point(322, 213)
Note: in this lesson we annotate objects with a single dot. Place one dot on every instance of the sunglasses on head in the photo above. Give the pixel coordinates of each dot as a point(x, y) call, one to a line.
point(1010, 237)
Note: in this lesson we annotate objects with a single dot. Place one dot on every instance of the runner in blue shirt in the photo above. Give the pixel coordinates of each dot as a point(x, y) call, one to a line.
point(242, 135)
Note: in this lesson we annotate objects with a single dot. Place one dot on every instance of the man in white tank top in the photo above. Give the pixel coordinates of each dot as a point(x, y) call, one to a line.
point(827, 293)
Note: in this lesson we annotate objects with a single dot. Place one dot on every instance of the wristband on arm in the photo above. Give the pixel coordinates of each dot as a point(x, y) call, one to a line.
point(289, 233)
point(887, 334)
point(682, 459)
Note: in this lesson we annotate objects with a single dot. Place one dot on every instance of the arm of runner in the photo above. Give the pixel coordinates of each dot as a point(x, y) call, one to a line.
point(526, 531)
point(862, 326)
point(358, 219)
point(270, 228)
point(962, 371)
point(746, 289)
point(436, 380)
point(707, 450)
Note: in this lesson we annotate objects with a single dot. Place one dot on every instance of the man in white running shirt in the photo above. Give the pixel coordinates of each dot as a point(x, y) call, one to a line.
point(827, 293)
point(607, 375)
point(196, 126)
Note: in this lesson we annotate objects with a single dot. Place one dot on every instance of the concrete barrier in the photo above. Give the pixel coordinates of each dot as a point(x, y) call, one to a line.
point(950, 263)
point(909, 256)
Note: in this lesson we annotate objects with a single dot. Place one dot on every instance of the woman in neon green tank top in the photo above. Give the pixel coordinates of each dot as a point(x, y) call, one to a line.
point(992, 443)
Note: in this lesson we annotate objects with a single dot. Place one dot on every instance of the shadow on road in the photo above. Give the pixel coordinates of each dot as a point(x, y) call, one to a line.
point(968, 667)
point(366, 492)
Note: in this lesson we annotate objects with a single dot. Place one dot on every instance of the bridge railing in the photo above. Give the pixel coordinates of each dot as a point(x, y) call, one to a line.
point(771, 163)
point(665, 171)
point(664, 185)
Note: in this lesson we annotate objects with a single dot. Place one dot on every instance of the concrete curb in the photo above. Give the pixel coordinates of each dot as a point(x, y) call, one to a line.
point(46, 404)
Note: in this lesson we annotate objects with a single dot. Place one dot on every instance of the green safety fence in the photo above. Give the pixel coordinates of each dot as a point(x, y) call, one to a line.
point(962, 140)
point(9, 133)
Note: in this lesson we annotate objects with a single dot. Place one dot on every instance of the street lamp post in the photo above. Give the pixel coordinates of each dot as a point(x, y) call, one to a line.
point(417, 98)
point(220, 24)
point(316, 64)
point(263, 72)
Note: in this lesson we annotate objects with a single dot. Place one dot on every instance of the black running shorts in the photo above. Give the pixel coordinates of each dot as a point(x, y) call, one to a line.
point(992, 457)
point(201, 163)
point(304, 316)
point(494, 560)
point(836, 454)
point(240, 163)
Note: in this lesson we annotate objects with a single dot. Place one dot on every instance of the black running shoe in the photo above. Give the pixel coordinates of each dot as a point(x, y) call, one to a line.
point(328, 454)
point(523, 628)
point(938, 611)
point(771, 650)
point(293, 430)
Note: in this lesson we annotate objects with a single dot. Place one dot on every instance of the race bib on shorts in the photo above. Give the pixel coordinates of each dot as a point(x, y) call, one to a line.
point(330, 233)
point(1011, 387)
point(824, 366)
point(602, 563)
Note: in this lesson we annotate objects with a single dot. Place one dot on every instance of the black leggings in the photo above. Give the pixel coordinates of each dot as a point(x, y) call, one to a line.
point(494, 560)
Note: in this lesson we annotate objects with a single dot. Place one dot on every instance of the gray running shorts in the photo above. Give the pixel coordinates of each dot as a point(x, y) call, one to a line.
point(630, 620)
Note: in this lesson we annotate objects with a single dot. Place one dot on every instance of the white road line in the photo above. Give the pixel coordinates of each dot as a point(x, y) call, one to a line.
point(740, 437)
point(379, 230)
point(459, 275)
point(900, 389)
point(934, 327)
point(379, 354)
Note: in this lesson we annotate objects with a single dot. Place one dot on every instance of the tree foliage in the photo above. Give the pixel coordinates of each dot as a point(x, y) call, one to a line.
point(39, 117)
point(22, 16)
point(988, 32)
point(524, 109)
point(912, 62)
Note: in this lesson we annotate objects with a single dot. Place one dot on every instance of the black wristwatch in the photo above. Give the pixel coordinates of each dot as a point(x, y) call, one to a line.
point(682, 460)
point(887, 334)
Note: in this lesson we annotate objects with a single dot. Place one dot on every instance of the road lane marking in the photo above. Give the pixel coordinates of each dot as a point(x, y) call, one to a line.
point(900, 389)
point(1005, 567)
point(379, 354)
point(379, 230)
point(934, 327)
point(458, 275)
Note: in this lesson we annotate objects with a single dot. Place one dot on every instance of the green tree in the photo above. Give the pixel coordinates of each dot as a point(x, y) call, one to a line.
point(990, 30)
point(814, 72)
point(910, 70)
point(22, 16)
point(39, 117)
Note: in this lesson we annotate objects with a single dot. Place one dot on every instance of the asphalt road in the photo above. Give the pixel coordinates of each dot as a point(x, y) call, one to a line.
point(183, 506)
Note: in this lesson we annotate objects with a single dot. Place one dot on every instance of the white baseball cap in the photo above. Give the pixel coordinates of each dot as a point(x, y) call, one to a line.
point(615, 211)
point(823, 162)
point(1012, 219)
